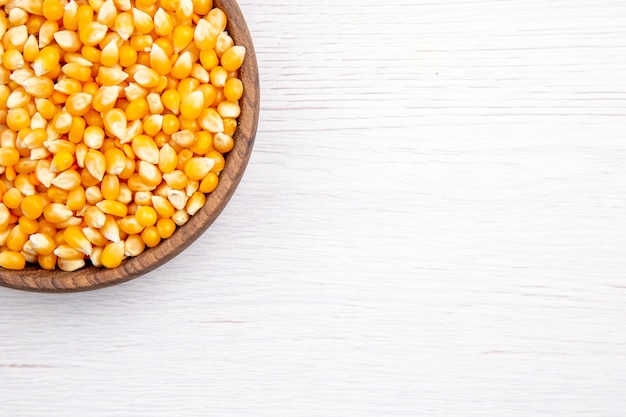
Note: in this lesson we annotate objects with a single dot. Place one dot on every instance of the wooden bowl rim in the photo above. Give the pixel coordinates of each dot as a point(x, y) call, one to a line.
point(36, 279)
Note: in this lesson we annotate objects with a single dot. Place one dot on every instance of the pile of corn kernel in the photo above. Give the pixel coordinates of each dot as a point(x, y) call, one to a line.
point(114, 118)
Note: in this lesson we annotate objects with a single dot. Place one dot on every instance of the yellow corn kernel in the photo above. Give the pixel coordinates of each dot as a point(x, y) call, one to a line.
point(199, 73)
point(115, 123)
point(32, 206)
point(107, 13)
point(45, 108)
point(111, 76)
point(110, 187)
point(209, 59)
point(33, 24)
point(76, 199)
point(218, 76)
point(218, 159)
point(46, 33)
point(53, 9)
point(209, 183)
point(171, 100)
point(93, 195)
point(13, 260)
point(163, 23)
point(115, 161)
point(105, 98)
point(233, 89)
point(56, 195)
point(230, 126)
point(17, 238)
point(42, 243)
point(134, 245)
point(168, 159)
point(153, 124)
point(124, 25)
point(111, 229)
point(91, 54)
point(95, 163)
point(68, 86)
point(149, 173)
point(181, 37)
point(77, 71)
point(75, 237)
point(127, 55)
point(78, 104)
point(113, 254)
point(198, 168)
point(150, 236)
point(94, 217)
point(93, 138)
point(65, 251)
point(162, 206)
point(147, 77)
point(159, 60)
point(130, 225)
point(31, 48)
point(141, 43)
point(182, 68)
point(143, 198)
point(39, 87)
point(13, 59)
point(70, 16)
point(145, 149)
point(61, 161)
point(223, 143)
point(180, 217)
point(56, 213)
point(18, 119)
point(67, 180)
point(195, 203)
point(70, 265)
point(77, 130)
point(5, 216)
point(47, 262)
point(34, 139)
point(110, 54)
point(112, 207)
point(211, 121)
point(233, 58)
point(29, 226)
point(94, 236)
point(124, 5)
point(192, 105)
point(223, 43)
point(176, 179)
point(23, 166)
point(204, 37)
point(5, 92)
point(146, 216)
point(61, 123)
point(204, 143)
point(15, 38)
point(68, 40)
point(129, 168)
point(92, 33)
point(137, 109)
point(166, 228)
point(143, 22)
point(16, 17)
point(162, 138)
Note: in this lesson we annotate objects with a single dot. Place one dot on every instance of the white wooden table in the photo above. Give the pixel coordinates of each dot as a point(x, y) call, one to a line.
point(432, 224)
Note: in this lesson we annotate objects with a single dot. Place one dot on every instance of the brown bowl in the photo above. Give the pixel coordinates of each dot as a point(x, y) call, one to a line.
point(89, 278)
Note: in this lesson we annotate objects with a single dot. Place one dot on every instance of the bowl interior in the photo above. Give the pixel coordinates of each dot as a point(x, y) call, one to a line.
point(34, 278)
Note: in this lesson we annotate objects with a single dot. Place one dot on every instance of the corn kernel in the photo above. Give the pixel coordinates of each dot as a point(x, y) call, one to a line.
point(145, 149)
point(150, 236)
point(77, 71)
point(127, 55)
point(182, 68)
point(113, 254)
point(209, 183)
point(42, 243)
point(12, 260)
point(134, 245)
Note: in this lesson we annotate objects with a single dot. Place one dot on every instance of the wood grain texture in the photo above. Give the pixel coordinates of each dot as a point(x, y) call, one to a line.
point(34, 278)
point(432, 223)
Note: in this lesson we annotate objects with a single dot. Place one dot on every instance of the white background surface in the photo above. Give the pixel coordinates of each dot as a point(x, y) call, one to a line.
point(432, 224)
